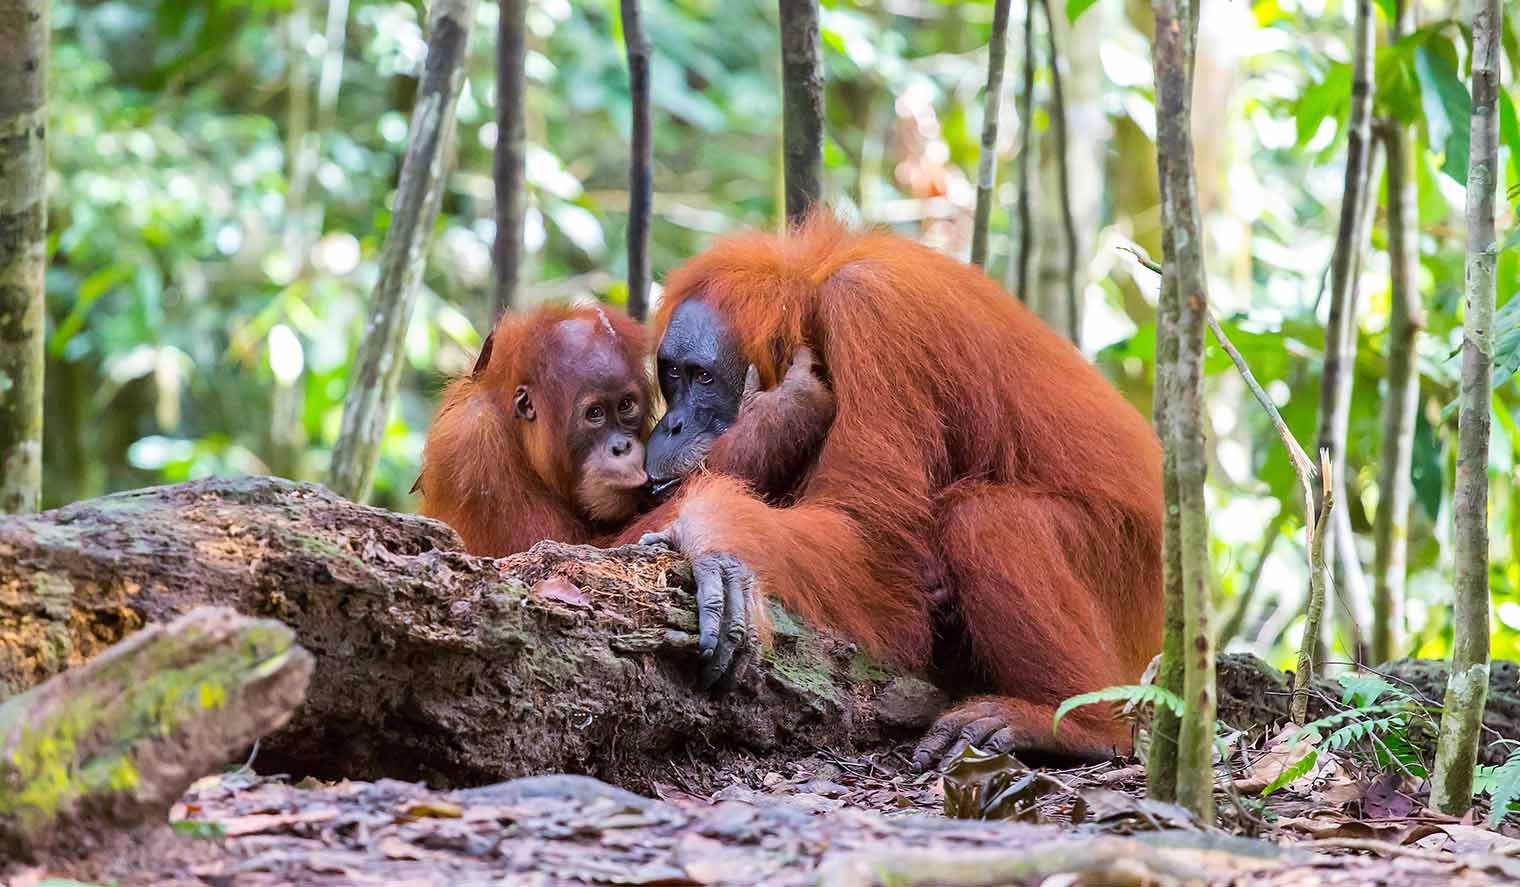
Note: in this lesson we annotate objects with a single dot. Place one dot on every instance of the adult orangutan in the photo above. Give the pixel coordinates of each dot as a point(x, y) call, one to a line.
point(545, 438)
point(984, 502)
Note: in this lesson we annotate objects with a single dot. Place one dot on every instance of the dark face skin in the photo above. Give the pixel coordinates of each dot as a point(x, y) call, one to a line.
point(701, 373)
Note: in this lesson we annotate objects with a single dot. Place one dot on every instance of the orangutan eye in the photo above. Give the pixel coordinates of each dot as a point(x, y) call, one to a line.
point(704, 377)
point(595, 413)
point(627, 404)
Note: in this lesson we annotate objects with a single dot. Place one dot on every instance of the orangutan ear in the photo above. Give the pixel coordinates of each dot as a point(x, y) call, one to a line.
point(522, 404)
point(484, 360)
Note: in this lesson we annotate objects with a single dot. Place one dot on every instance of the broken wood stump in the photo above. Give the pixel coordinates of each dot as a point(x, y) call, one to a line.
point(104, 747)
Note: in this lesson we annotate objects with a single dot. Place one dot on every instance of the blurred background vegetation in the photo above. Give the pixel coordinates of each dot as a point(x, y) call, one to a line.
point(221, 172)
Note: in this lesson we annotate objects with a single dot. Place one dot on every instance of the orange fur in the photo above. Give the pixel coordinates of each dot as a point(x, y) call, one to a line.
point(504, 484)
point(975, 458)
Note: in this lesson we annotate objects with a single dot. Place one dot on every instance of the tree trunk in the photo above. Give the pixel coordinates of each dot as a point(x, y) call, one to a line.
point(23, 248)
point(432, 664)
point(1173, 55)
point(802, 106)
point(1059, 284)
point(511, 154)
point(113, 743)
point(1340, 329)
point(640, 161)
point(986, 169)
point(377, 367)
point(1406, 317)
point(1467, 687)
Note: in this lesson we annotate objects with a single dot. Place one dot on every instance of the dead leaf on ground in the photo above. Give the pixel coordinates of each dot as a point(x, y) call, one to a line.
point(432, 810)
point(561, 591)
point(1264, 769)
point(1388, 797)
point(1124, 812)
point(257, 823)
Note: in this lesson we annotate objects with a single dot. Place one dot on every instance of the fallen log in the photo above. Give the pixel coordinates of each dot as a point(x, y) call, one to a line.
point(434, 665)
point(101, 749)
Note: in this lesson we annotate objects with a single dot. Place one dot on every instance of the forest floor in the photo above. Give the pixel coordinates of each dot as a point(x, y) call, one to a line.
point(827, 820)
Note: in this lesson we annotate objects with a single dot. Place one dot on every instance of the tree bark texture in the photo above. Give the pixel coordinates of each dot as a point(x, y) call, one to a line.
point(640, 161)
point(23, 248)
point(114, 742)
point(1173, 59)
point(511, 152)
point(802, 106)
point(986, 169)
point(1161, 764)
point(1070, 315)
point(1466, 689)
point(432, 664)
point(1406, 317)
point(1340, 328)
point(377, 366)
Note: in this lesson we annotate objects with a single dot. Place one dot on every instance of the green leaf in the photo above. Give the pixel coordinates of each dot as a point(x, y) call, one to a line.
point(1289, 774)
point(1509, 136)
point(1426, 470)
point(1506, 789)
point(1507, 339)
point(1362, 690)
point(1448, 109)
point(1075, 8)
point(1134, 693)
point(1390, 10)
point(1330, 97)
point(1397, 94)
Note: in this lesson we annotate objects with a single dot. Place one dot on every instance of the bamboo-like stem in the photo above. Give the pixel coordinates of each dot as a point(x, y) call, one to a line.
point(986, 168)
point(802, 106)
point(1026, 149)
point(1063, 170)
point(1406, 317)
point(377, 366)
point(1340, 330)
point(510, 161)
point(640, 161)
point(1467, 687)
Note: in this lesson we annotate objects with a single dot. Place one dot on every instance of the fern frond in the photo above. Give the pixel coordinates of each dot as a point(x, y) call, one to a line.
point(1299, 768)
point(1131, 693)
point(1506, 788)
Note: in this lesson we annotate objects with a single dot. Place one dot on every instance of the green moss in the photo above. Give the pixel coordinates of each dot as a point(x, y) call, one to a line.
point(865, 668)
point(85, 745)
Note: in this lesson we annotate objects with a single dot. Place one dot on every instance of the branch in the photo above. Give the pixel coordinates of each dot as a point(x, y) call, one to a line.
point(1026, 149)
point(509, 163)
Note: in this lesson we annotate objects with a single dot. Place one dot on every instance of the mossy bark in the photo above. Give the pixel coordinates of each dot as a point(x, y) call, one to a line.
point(1451, 790)
point(113, 743)
point(432, 664)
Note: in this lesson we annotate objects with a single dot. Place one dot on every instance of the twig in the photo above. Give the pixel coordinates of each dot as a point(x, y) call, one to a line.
point(1299, 709)
point(1372, 846)
point(1068, 221)
point(1302, 466)
point(802, 107)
